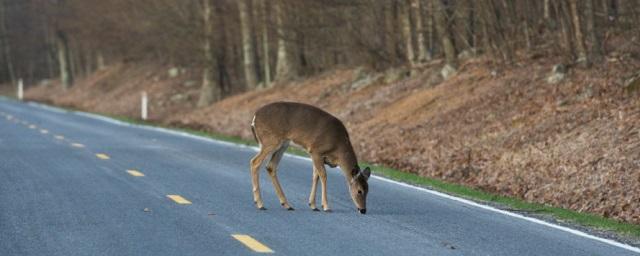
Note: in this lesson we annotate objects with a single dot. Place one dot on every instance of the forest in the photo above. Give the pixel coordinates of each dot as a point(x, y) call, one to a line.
point(247, 44)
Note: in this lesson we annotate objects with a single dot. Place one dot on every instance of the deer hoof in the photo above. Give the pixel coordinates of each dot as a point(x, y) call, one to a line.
point(315, 209)
point(261, 208)
point(328, 210)
point(287, 206)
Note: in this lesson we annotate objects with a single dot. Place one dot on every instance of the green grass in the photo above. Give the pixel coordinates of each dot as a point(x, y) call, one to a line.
point(510, 203)
point(515, 204)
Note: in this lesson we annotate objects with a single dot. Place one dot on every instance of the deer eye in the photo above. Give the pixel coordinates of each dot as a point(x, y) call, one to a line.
point(360, 192)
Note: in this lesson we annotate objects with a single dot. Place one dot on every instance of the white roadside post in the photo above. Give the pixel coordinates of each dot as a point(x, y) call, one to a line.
point(144, 107)
point(20, 89)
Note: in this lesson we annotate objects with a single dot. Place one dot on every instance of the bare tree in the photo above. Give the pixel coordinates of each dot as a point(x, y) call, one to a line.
point(405, 23)
point(285, 68)
point(64, 62)
point(100, 62)
point(596, 49)
point(247, 45)
point(390, 31)
point(547, 11)
point(262, 6)
point(4, 40)
point(470, 23)
point(210, 90)
point(441, 23)
point(579, 37)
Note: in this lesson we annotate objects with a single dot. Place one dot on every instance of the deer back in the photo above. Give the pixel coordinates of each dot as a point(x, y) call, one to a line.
point(305, 125)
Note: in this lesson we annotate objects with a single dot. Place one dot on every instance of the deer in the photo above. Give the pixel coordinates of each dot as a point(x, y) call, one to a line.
point(322, 135)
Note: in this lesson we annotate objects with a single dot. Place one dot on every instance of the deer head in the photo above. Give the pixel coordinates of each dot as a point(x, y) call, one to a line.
point(359, 188)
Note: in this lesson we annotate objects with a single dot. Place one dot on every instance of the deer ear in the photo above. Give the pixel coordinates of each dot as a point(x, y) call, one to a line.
point(366, 173)
point(355, 171)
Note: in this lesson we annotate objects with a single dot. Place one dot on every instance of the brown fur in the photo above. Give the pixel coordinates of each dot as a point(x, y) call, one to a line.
point(322, 135)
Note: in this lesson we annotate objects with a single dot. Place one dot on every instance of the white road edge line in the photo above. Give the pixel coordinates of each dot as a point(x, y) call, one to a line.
point(433, 192)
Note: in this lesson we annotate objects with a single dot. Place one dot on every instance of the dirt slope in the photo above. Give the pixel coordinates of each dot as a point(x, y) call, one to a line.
point(117, 90)
point(575, 144)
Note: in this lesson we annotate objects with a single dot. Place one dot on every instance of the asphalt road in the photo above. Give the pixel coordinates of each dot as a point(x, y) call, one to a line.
point(65, 190)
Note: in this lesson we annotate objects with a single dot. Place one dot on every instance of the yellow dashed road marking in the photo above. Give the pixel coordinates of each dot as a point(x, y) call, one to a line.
point(32, 126)
point(135, 173)
point(102, 156)
point(178, 199)
point(43, 131)
point(59, 137)
point(77, 145)
point(253, 244)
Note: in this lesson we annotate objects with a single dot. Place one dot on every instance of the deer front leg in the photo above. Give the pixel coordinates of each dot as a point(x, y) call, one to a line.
point(318, 164)
point(323, 183)
point(314, 186)
point(279, 192)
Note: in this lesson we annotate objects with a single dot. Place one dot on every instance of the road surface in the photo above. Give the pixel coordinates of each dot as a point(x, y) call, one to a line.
point(72, 184)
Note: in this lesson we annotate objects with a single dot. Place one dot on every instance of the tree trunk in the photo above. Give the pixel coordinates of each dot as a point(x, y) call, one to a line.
point(247, 45)
point(526, 25)
point(596, 49)
point(49, 51)
point(579, 37)
point(431, 29)
point(4, 40)
point(256, 36)
point(440, 15)
point(471, 23)
point(389, 31)
point(285, 68)
point(64, 64)
point(81, 64)
point(405, 19)
point(228, 64)
point(100, 63)
point(73, 62)
point(210, 90)
point(612, 10)
point(565, 35)
point(423, 54)
point(546, 11)
point(265, 43)
point(88, 62)
point(509, 26)
point(487, 43)
point(50, 62)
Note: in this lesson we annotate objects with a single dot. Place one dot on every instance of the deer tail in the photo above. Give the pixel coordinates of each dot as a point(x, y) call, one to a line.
point(253, 130)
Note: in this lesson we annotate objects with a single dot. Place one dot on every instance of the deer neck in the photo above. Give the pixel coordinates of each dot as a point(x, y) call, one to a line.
point(348, 162)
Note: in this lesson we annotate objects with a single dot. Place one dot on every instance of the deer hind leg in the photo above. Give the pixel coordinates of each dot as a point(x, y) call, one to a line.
point(256, 161)
point(318, 164)
point(314, 186)
point(272, 169)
